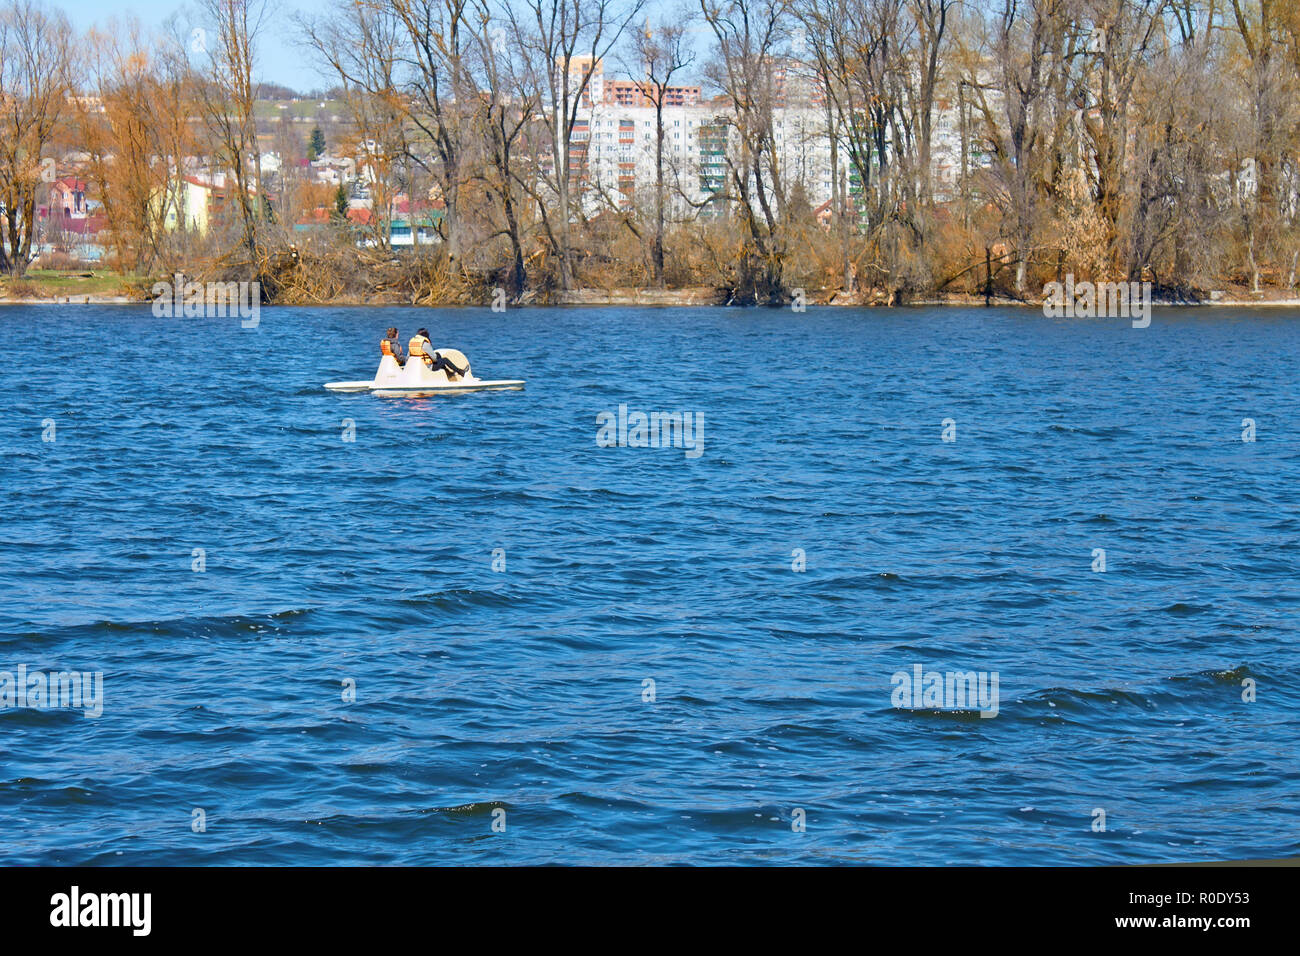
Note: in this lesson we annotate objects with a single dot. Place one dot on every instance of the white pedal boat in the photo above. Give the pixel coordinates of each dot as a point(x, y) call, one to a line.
point(415, 379)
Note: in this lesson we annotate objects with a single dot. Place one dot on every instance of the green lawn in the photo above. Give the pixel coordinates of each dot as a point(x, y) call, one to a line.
point(268, 110)
point(51, 283)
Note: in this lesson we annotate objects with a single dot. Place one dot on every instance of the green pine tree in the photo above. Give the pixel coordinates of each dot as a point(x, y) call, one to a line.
point(316, 148)
point(340, 204)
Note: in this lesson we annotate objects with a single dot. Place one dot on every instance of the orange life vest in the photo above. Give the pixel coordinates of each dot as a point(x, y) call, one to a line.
point(386, 347)
point(416, 347)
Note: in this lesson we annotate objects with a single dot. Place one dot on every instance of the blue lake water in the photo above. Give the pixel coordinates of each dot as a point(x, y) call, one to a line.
point(769, 733)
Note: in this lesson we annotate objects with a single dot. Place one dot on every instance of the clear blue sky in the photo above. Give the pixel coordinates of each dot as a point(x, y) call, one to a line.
point(280, 59)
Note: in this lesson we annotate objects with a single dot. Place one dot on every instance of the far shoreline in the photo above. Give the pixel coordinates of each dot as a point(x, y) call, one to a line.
point(691, 297)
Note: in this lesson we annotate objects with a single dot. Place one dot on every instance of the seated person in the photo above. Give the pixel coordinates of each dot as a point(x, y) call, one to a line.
point(391, 346)
point(419, 346)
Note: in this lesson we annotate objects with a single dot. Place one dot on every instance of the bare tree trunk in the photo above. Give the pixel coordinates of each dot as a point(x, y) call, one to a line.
point(230, 100)
point(35, 79)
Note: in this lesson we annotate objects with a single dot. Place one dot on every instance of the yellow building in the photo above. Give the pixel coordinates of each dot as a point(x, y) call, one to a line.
point(190, 204)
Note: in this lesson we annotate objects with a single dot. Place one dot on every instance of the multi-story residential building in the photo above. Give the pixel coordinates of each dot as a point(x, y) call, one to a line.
point(637, 93)
point(612, 155)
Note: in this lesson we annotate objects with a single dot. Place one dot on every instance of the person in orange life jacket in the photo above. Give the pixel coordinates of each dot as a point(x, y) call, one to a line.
point(391, 346)
point(420, 347)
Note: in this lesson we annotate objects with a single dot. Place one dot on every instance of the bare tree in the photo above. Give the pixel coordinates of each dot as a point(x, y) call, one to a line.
point(362, 44)
point(1270, 86)
point(507, 107)
point(135, 128)
point(35, 81)
point(750, 66)
point(562, 44)
point(1029, 35)
point(931, 21)
point(434, 52)
point(1119, 37)
point(229, 98)
point(662, 53)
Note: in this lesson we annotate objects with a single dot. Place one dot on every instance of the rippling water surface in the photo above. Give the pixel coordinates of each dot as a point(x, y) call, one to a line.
point(371, 561)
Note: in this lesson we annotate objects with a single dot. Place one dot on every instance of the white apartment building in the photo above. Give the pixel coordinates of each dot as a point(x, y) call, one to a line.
point(620, 148)
point(613, 154)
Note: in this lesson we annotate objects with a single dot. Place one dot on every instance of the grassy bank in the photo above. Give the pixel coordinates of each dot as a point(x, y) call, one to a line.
point(79, 285)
